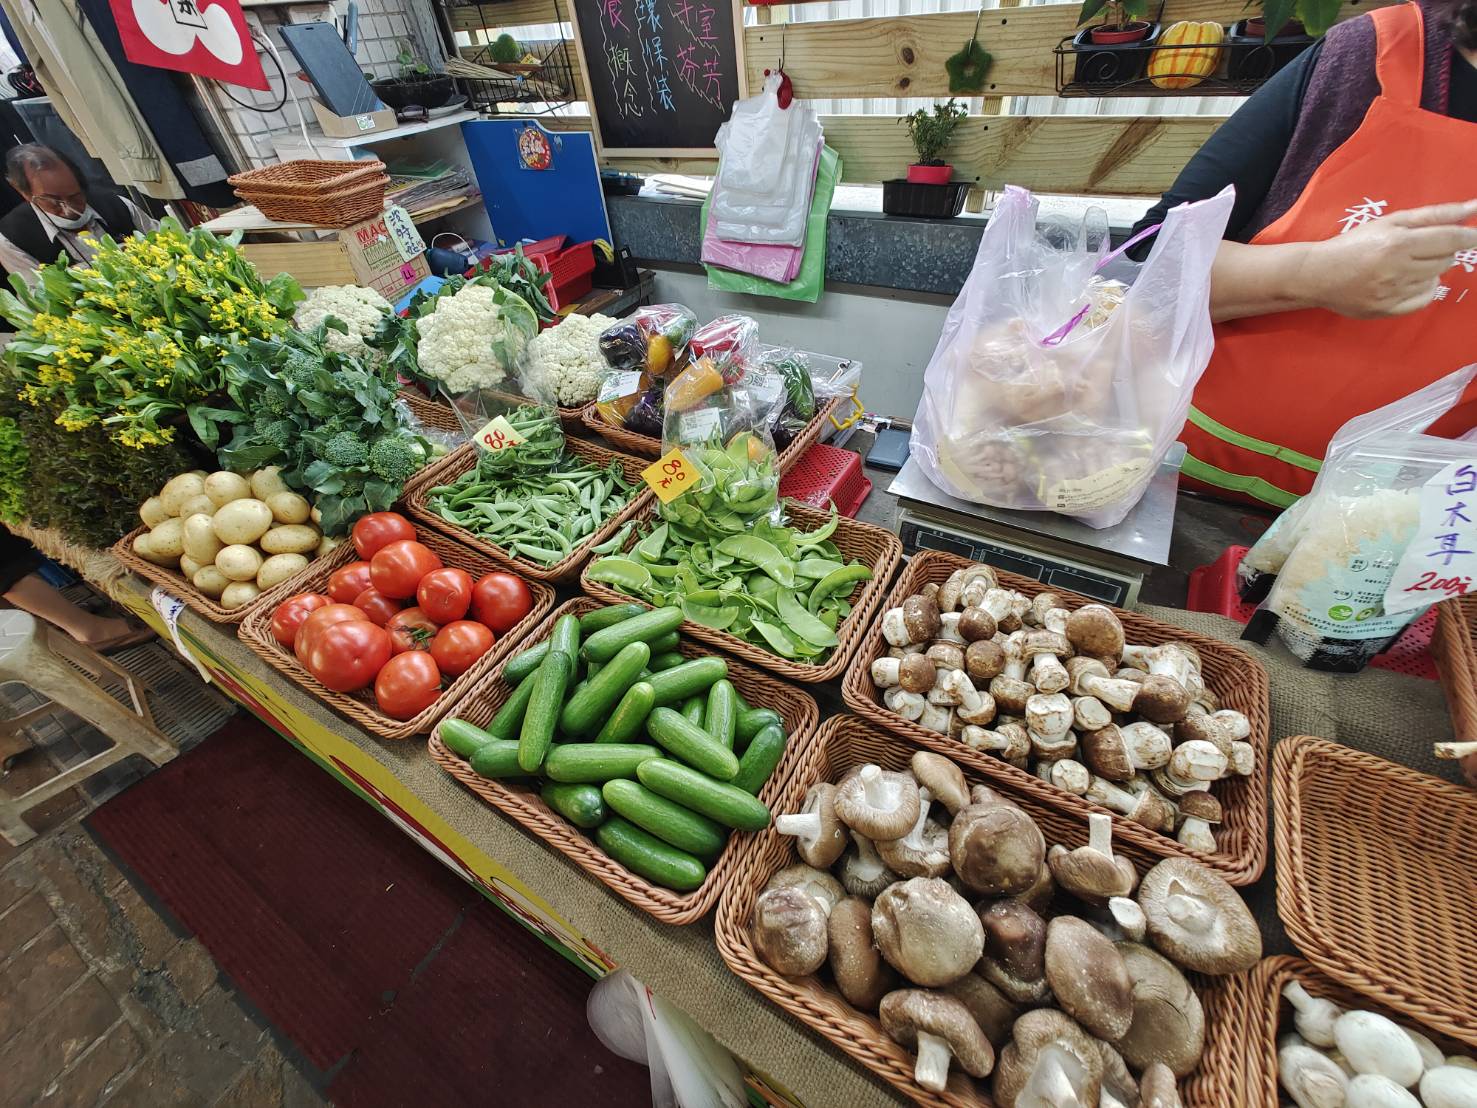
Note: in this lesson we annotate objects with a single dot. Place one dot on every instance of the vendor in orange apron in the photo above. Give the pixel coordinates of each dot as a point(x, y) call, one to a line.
point(1354, 280)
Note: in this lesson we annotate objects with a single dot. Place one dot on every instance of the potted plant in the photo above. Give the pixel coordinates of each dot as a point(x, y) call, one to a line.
point(415, 85)
point(1113, 51)
point(931, 133)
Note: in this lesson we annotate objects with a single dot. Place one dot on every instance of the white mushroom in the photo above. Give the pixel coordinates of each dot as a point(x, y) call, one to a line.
point(1374, 1090)
point(1431, 1055)
point(1243, 759)
point(1450, 1086)
point(1147, 808)
point(1090, 678)
point(1313, 1016)
point(1045, 649)
point(1069, 775)
point(1197, 760)
point(949, 629)
point(1090, 714)
point(1311, 1079)
point(949, 687)
point(975, 707)
point(909, 705)
point(936, 717)
point(1009, 740)
point(1373, 1044)
point(1049, 719)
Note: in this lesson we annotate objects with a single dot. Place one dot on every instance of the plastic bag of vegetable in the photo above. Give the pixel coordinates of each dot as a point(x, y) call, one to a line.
point(1052, 389)
point(652, 339)
point(785, 374)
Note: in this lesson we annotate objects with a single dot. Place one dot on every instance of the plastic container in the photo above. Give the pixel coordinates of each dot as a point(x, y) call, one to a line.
point(569, 273)
point(902, 197)
point(826, 474)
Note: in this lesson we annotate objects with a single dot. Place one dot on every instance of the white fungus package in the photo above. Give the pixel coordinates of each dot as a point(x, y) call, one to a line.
point(1064, 372)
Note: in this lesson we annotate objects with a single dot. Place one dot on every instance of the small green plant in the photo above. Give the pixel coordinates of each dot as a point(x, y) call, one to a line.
point(505, 49)
point(931, 132)
point(1117, 14)
point(411, 67)
point(1316, 16)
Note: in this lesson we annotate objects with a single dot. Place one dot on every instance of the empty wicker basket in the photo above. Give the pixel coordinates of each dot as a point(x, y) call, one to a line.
point(325, 194)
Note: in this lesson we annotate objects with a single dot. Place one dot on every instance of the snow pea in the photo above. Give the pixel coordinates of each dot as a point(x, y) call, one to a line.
point(840, 580)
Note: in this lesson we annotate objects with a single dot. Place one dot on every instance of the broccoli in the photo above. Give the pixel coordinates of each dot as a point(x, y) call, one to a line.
point(395, 458)
point(278, 433)
point(275, 403)
point(300, 369)
point(344, 450)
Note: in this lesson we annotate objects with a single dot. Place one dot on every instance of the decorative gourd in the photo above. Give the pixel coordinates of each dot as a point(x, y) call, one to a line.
point(1182, 68)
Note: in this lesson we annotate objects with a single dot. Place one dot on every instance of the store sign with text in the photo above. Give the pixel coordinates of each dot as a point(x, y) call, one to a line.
point(208, 38)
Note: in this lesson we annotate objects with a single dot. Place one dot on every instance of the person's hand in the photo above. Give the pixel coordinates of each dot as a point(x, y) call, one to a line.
point(1391, 265)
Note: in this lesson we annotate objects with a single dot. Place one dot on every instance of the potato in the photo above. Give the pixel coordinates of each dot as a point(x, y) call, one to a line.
point(211, 581)
point(291, 538)
point(173, 495)
point(239, 562)
point(152, 512)
point(316, 515)
point(288, 507)
point(327, 545)
point(197, 505)
point(143, 546)
point(278, 568)
point(266, 482)
point(200, 541)
point(200, 473)
point(189, 567)
point(242, 521)
point(168, 539)
point(222, 486)
point(238, 593)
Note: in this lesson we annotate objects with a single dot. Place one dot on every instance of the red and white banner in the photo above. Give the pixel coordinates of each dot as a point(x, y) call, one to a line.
point(205, 37)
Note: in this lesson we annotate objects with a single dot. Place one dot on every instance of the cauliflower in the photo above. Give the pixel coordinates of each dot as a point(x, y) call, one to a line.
point(357, 308)
point(564, 363)
point(470, 340)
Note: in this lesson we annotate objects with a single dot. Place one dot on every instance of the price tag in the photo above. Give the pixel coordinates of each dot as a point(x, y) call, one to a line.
point(497, 434)
point(670, 476)
point(407, 240)
point(698, 426)
point(765, 386)
point(617, 385)
point(364, 122)
point(169, 607)
point(1441, 560)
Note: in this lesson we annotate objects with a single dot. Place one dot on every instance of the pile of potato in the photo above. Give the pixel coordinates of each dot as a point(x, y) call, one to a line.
point(231, 536)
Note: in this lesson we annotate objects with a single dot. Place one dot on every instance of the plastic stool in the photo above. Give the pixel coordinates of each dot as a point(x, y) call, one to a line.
point(48, 662)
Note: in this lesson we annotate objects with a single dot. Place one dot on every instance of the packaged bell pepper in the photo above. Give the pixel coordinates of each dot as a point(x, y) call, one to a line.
point(721, 350)
point(653, 339)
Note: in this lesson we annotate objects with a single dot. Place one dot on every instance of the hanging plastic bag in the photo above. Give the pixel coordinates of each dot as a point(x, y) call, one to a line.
point(1064, 373)
point(766, 170)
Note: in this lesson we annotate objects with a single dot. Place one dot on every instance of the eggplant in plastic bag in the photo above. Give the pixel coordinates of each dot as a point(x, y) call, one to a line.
point(645, 417)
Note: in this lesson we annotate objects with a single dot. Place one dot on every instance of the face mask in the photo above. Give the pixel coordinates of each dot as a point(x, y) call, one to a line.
point(77, 224)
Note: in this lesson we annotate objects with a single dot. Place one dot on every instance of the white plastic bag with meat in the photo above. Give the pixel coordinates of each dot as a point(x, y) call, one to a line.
point(1064, 373)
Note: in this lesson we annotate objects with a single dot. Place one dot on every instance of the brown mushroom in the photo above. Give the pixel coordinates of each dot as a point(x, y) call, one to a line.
point(1117, 753)
point(863, 872)
point(1089, 677)
point(1197, 761)
point(856, 964)
point(1010, 741)
point(1014, 959)
point(945, 655)
point(976, 624)
point(916, 621)
point(1146, 807)
point(1168, 1021)
point(1041, 893)
point(877, 803)
point(817, 882)
point(1118, 1082)
point(1069, 775)
point(927, 931)
point(991, 1009)
point(942, 778)
point(1092, 873)
point(1200, 812)
point(941, 1030)
point(1197, 920)
point(1160, 699)
point(1048, 1061)
point(820, 836)
point(789, 931)
point(1088, 977)
point(1158, 1089)
point(922, 852)
point(916, 673)
point(996, 848)
point(976, 579)
point(984, 659)
point(1041, 604)
point(1045, 649)
point(1095, 630)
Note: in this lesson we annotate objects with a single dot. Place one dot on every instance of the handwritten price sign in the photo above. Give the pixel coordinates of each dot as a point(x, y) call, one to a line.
point(670, 476)
point(497, 434)
point(1441, 560)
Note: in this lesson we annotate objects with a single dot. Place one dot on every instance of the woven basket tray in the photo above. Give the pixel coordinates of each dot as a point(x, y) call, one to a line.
point(464, 457)
point(327, 194)
point(844, 742)
point(360, 707)
point(1269, 1015)
point(1455, 655)
point(522, 804)
point(872, 546)
point(649, 446)
point(175, 583)
point(1236, 678)
point(1375, 879)
point(432, 413)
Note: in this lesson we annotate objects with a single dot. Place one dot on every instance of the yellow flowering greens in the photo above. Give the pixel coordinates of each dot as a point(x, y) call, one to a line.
point(138, 336)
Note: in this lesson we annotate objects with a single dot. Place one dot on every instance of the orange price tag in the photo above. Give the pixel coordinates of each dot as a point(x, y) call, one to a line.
point(497, 434)
point(670, 476)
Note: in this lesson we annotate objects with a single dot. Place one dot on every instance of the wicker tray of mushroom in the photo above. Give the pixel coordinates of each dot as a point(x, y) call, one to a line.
point(1133, 716)
point(940, 907)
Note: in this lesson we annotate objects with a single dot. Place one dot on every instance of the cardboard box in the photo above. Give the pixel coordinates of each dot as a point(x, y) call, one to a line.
point(372, 253)
point(351, 126)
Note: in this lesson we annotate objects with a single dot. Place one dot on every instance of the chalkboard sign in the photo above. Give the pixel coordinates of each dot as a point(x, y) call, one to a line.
point(661, 75)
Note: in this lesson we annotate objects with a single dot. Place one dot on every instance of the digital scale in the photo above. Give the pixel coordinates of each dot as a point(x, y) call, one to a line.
point(1108, 564)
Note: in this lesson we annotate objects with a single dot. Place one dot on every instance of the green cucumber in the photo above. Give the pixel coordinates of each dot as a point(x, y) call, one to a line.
point(523, 664)
point(719, 801)
point(576, 763)
point(751, 722)
point(666, 644)
point(721, 717)
point(462, 738)
point(498, 758)
point(694, 708)
point(692, 745)
point(668, 821)
point(605, 645)
point(645, 854)
point(509, 718)
point(581, 805)
point(601, 618)
point(586, 710)
point(543, 707)
point(566, 636)
point(672, 686)
point(743, 704)
point(630, 714)
point(764, 753)
point(669, 660)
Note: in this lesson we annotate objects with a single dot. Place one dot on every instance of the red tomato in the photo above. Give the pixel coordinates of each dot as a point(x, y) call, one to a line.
point(323, 617)
point(411, 629)
point(458, 645)
point(347, 582)
point(397, 569)
point(377, 530)
point(500, 600)
point(376, 605)
point(407, 685)
point(346, 656)
point(290, 614)
point(445, 594)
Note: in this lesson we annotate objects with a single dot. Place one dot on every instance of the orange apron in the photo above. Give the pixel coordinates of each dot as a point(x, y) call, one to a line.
point(1279, 386)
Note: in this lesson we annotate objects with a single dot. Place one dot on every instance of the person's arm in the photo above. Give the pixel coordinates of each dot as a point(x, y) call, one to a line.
point(142, 221)
point(16, 260)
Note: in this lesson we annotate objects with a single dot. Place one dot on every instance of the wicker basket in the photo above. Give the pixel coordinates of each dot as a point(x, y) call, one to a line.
point(464, 457)
point(1270, 1015)
point(857, 541)
point(325, 194)
point(1455, 656)
point(176, 584)
point(1237, 679)
point(1375, 880)
point(573, 419)
point(432, 413)
point(360, 707)
point(522, 804)
point(844, 742)
point(649, 446)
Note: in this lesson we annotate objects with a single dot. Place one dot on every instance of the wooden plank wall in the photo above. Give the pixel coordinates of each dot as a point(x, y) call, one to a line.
point(895, 56)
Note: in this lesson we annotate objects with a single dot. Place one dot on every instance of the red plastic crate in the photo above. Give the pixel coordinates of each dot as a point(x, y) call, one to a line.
point(827, 473)
point(1213, 589)
point(570, 273)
